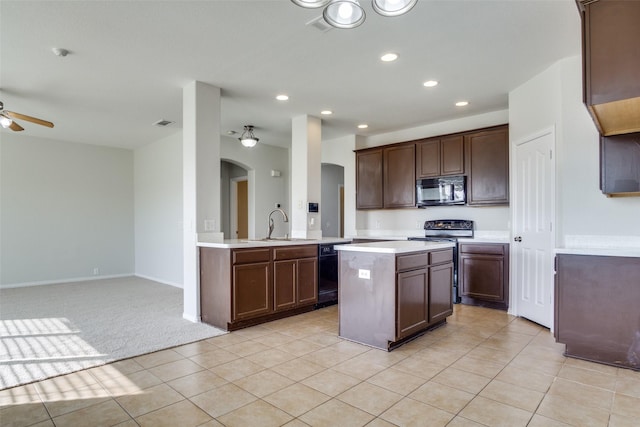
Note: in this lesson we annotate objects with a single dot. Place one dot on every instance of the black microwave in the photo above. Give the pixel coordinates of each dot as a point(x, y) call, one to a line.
point(442, 191)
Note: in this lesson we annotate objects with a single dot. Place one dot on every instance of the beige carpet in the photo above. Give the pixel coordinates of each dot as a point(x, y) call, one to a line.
point(57, 329)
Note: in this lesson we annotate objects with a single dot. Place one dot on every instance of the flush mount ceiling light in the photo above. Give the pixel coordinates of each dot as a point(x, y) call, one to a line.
point(462, 103)
point(247, 138)
point(282, 97)
point(393, 7)
point(311, 4)
point(430, 83)
point(363, 126)
point(344, 13)
point(349, 13)
point(326, 112)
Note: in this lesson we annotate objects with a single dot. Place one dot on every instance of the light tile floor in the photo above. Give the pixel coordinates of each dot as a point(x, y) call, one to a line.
point(484, 367)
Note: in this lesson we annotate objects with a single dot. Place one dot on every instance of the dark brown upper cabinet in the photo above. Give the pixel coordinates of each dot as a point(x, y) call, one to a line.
point(611, 64)
point(620, 165)
point(385, 177)
point(399, 178)
point(440, 157)
point(487, 157)
point(369, 179)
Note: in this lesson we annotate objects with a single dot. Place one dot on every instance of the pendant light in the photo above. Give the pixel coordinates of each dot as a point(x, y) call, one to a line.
point(247, 138)
point(344, 13)
point(392, 7)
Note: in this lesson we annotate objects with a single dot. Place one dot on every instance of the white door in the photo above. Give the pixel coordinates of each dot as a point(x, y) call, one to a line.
point(533, 216)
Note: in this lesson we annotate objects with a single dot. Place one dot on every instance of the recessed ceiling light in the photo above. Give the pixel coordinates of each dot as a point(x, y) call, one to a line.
point(462, 103)
point(389, 57)
point(326, 112)
point(430, 83)
point(231, 132)
point(282, 97)
point(363, 126)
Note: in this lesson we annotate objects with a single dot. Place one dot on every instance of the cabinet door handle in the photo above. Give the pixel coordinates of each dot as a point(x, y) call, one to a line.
point(517, 239)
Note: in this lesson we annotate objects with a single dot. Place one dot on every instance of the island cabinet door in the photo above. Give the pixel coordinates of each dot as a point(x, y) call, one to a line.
point(252, 293)
point(284, 286)
point(412, 302)
point(440, 292)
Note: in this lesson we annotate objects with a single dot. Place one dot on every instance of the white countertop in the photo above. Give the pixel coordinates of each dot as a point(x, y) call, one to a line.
point(622, 252)
point(395, 246)
point(480, 236)
point(601, 245)
point(247, 243)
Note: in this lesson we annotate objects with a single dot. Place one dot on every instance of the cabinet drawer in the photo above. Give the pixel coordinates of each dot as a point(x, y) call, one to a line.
point(246, 256)
point(487, 248)
point(295, 252)
point(438, 257)
point(408, 262)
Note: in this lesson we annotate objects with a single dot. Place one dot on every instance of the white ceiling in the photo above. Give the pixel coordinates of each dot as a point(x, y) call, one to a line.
point(130, 60)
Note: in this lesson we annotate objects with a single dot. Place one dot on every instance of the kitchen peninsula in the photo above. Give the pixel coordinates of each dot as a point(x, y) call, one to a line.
point(392, 291)
point(247, 282)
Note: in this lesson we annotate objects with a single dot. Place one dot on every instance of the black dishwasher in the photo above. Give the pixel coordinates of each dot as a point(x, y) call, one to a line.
point(327, 275)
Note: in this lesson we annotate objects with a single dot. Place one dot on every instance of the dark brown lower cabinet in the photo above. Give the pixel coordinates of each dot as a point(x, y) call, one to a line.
point(413, 301)
point(244, 287)
point(424, 290)
point(295, 283)
point(483, 274)
point(440, 293)
point(284, 289)
point(597, 308)
point(251, 290)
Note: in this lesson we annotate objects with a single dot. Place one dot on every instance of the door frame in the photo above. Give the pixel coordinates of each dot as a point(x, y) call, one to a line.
point(513, 286)
point(233, 201)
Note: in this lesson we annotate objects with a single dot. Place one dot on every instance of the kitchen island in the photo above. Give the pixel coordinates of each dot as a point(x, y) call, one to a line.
point(392, 291)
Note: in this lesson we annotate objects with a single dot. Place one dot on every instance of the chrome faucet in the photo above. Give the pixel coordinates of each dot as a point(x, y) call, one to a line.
point(284, 217)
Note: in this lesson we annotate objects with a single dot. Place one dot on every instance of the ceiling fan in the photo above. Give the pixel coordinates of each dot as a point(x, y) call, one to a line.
point(7, 119)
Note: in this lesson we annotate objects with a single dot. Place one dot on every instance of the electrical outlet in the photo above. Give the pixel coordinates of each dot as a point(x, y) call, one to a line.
point(378, 224)
point(364, 274)
point(300, 204)
point(209, 224)
point(96, 271)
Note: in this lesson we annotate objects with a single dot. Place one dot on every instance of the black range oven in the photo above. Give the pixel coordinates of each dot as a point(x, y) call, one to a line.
point(448, 230)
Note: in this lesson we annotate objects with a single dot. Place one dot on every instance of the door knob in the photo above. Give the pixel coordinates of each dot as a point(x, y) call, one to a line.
point(517, 239)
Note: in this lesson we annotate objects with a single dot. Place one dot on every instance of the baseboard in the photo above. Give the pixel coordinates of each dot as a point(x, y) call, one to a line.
point(57, 282)
point(155, 279)
point(190, 318)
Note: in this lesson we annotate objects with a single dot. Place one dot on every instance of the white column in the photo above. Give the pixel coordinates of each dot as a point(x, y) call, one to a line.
point(201, 182)
point(306, 151)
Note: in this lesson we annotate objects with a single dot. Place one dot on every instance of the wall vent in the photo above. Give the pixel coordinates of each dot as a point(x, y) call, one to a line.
point(320, 24)
point(163, 123)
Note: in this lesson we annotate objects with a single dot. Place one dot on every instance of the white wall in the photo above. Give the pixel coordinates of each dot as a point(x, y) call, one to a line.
point(409, 222)
point(228, 171)
point(554, 98)
point(158, 210)
point(159, 200)
point(332, 180)
point(66, 209)
point(339, 151)
point(264, 190)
